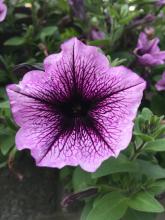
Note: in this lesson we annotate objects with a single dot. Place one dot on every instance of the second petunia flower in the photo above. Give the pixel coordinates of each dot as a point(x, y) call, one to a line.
point(160, 3)
point(3, 10)
point(78, 111)
point(148, 52)
point(160, 85)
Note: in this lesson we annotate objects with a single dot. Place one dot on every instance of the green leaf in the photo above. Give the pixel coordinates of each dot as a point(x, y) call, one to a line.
point(104, 42)
point(10, 123)
point(47, 32)
point(114, 165)
point(158, 104)
point(7, 141)
point(20, 16)
point(124, 10)
point(97, 199)
point(157, 187)
point(112, 206)
point(65, 172)
point(146, 114)
point(144, 137)
point(3, 164)
point(136, 215)
point(4, 104)
point(81, 179)
point(15, 41)
point(87, 208)
point(160, 131)
point(156, 146)
point(139, 120)
point(149, 169)
point(122, 55)
point(145, 202)
point(117, 61)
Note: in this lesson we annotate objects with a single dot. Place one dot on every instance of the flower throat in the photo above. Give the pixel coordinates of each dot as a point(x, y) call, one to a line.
point(75, 106)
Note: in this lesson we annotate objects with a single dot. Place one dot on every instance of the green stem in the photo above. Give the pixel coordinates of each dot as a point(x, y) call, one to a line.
point(137, 152)
point(106, 188)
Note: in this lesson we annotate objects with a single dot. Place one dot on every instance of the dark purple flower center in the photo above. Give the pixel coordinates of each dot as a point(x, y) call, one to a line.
point(141, 52)
point(75, 107)
point(146, 49)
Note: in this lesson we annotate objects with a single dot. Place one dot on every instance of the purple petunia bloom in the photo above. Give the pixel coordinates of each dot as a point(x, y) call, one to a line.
point(96, 34)
point(77, 7)
point(160, 3)
point(78, 111)
point(160, 85)
point(149, 18)
point(147, 51)
point(3, 11)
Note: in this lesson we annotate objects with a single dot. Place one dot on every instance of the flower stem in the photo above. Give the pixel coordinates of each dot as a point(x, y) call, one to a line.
point(136, 152)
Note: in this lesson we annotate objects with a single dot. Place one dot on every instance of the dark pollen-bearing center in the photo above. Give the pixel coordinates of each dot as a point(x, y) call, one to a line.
point(75, 107)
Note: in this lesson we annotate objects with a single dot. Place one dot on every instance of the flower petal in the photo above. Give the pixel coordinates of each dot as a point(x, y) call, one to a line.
point(88, 147)
point(151, 59)
point(3, 11)
point(160, 85)
point(148, 52)
point(153, 45)
point(73, 49)
point(76, 66)
point(117, 110)
point(29, 96)
point(85, 148)
point(142, 41)
point(51, 60)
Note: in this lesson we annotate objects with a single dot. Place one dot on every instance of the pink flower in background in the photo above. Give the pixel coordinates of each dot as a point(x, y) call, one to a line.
point(148, 52)
point(78, 111)
point(160, 3)
point(160, 85)
point(95, 34)
point(77, 7)
point(3, 11)
point(149, 18)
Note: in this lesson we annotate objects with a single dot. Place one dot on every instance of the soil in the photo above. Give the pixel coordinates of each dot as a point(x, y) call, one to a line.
point(36, 197)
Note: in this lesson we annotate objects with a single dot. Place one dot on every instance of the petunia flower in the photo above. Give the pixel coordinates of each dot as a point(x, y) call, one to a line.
point(149, 31)
point(3, 11)
point(160, 85)
point(147, 51)
point(149, 18)
point(77, 7)
point(160, 3)
point(95, 34)
point(78, 111)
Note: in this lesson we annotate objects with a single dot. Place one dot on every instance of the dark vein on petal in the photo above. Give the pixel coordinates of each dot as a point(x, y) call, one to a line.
point(98, 134)
point(116, 92)
point(73, 68)
point(33, 97)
